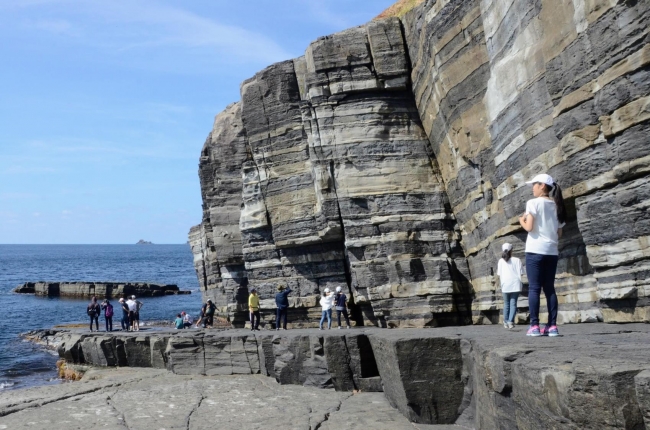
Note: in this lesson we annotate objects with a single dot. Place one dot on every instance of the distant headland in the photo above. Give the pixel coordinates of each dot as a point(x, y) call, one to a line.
point(143, 242)
point(99, 289)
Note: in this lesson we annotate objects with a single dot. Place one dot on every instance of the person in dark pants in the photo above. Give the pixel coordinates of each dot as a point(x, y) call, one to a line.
point(108, 314)
point(340, 301)
point(207, 314)
point(282, 302)
point(125, 316)
point(254, 309)
point(93, 311)
point(543, 220)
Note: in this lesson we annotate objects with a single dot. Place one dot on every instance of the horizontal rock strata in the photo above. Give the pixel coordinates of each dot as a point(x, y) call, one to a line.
point(390, 160)
point(98, 289)
point(594, 376)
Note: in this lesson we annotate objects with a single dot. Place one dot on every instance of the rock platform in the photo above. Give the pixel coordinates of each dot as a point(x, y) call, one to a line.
point(98, 289)
point(484, 377)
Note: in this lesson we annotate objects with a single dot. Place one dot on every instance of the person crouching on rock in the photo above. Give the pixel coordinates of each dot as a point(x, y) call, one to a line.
point(93, 311)
point(282, 303)
point(207, 314)
point(187, 320)
point(178, 322)
point(326, 302)
point(509, 270)
point(125, 315)
point(254, 309)
point(543, 220)
point(340, 301)
point(108, 314)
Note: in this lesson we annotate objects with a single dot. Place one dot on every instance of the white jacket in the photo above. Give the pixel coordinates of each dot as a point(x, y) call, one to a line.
point(327, 301)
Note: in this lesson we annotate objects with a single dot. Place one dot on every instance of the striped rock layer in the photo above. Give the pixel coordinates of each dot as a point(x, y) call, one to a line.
point(390, 160)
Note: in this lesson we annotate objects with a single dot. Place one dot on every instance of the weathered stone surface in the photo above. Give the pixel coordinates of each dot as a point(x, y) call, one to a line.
point(99, 289)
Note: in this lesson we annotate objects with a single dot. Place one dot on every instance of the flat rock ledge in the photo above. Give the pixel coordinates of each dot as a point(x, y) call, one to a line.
point(484, 377)
point(98, 289)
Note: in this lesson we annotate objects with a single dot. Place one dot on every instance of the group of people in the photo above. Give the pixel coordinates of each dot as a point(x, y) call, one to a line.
point(130, 313)
point(183, 320)
point(327, 302)
point(543, 219)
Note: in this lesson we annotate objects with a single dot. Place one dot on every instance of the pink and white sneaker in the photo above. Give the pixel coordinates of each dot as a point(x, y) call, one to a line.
point(550, 331)
point(533, 331)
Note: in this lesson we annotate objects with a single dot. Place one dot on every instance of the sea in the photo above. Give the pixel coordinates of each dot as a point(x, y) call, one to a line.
point(24, 364)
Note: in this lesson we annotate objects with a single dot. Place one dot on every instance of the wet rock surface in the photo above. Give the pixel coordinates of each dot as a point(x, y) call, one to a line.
point(592, 376)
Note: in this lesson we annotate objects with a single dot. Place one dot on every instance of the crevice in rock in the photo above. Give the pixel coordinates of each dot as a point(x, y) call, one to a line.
point(121, 417)
point(348, 360)
point(327, 414)
point(196, 407)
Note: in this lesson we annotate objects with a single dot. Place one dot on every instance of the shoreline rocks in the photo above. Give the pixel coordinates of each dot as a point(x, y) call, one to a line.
point(99, 289)
point(476, 376)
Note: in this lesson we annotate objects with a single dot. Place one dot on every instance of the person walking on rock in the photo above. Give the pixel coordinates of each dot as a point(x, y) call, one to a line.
point(108, 314)
point(254, 309)
point(282, 303)
point(509, 270)
point(326, 302)
point(543, 220)
point(126, 324)
point(93, 312)
point(340, 301)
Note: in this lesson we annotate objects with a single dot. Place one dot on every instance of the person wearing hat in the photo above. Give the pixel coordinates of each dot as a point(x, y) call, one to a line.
point(509, 270)
point(543, 220)
point(340, 301)
point(326, 302)
point(282, 302)
point(254, 309)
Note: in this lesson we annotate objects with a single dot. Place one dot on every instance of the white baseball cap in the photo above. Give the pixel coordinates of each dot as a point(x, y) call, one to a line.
point(327, 290)
point(338, 289)
point(542, 178)
point(506, 247)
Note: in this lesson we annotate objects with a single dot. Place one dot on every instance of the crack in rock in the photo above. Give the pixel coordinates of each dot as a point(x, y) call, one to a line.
point(328, 414)
point(121, 417)
point(196, 407)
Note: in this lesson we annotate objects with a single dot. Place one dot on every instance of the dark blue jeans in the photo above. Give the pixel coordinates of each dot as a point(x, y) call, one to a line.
point(541, 276)
point(125, 321)
point(278, 315)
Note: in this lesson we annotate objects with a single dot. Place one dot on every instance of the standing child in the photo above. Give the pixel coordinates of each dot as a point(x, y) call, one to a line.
point(543, 220)
point(509, 270)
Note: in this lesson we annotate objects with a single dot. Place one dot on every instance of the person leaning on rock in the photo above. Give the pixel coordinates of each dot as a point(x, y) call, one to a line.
point(93, 312)
point(282, 303)
point(509, 270)
point(543, 220)
point(254, 309)
point(126, 324)
point(340, 301)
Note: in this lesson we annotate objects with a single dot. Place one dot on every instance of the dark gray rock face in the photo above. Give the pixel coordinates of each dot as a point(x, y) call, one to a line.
point(593, 376)
point(99, 289)
point(391, 158)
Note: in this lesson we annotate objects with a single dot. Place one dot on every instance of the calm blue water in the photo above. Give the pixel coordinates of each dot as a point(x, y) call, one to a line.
point(23, 364)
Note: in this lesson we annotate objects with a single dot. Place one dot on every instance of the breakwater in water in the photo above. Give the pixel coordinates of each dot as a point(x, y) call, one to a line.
point(99, 289)
point(593, 376)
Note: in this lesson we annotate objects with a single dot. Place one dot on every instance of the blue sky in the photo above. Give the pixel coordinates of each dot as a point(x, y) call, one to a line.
point(105, 105)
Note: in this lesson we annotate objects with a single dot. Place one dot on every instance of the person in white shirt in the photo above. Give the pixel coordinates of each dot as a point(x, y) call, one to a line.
point(326, 302)
point(509, 270)
point(133, 308)
point(543, 220)
point(187, 319)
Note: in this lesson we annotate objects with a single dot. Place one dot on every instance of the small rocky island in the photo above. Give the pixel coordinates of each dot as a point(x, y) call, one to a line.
point(143, 242)
point(98, 289)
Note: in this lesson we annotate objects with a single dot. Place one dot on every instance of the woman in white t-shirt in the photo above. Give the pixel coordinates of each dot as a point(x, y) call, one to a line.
point(509, 270)
point(543, 220)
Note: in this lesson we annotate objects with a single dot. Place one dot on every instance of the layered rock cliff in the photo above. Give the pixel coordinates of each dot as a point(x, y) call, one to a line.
point(391, 158)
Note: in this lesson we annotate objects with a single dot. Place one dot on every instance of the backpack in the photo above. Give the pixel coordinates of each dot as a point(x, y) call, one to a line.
point(109, 310)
